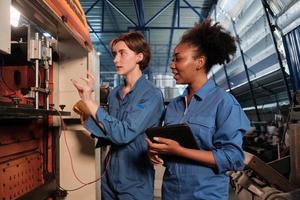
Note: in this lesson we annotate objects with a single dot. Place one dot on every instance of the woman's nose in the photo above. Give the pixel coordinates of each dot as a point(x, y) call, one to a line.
point(115, 59)
point(172, 65)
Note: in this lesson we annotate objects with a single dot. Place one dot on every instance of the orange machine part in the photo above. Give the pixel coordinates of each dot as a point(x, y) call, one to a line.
point(73, 15)
point(12, 80)
point(20, 175)
point(15, 78)
point(21, 160)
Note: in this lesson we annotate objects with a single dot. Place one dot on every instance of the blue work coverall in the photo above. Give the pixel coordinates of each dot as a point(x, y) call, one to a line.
point(218, 124)
point(130, 174)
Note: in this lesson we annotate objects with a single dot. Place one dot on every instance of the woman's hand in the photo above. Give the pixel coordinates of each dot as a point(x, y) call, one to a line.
point(164, 146)
point(167, 146)
point(153, 155)
point(85, 89)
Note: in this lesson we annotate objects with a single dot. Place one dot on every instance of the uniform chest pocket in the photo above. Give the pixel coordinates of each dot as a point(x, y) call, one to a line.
point(129, 111)
point(171, 120)
point(203, 129)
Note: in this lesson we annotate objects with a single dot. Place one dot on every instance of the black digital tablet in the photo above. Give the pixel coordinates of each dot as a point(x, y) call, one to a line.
point(178, 132)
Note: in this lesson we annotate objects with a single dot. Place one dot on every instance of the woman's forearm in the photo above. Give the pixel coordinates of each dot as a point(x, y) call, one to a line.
point(202, 156)
point(92, 106)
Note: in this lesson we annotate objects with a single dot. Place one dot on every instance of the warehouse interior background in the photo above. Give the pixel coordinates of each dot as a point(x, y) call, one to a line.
point(163, 23)
point(37, 121)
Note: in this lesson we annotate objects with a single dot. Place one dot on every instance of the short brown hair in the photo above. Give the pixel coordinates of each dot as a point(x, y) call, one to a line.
point(137, 43)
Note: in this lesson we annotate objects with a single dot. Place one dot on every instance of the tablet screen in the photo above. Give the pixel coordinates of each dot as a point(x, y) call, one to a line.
point(178, 132)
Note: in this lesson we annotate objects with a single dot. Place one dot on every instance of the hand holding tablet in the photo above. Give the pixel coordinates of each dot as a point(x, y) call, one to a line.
point(178, 132)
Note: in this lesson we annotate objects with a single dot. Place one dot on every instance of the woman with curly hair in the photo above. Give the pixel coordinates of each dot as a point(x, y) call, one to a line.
point(216, 119)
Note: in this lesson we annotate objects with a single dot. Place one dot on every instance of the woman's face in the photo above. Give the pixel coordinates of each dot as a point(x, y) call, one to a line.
point(184, 65)
point(125, 59)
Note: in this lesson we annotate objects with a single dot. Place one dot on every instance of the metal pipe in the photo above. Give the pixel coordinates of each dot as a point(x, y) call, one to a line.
point(246, 70)
point(36, 84)
point(47, 88)
point(282, 68)
point(37, 74)
point(172, 33)
point(178, 13)
point(47, 68)
point(137, 12)
point(102, 15)
point(214, 78)
point(227, 78)
point(146, 28)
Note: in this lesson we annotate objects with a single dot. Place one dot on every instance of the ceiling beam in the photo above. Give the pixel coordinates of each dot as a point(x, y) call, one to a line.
point(178, 13)
point(159, 13)
point(146, 28)
point(139, 10)
point(90, 8)
point(176, 6)
point(112, 17)
point(101, 42)
point(191, 7)
point(102, 15)
point(121, 12)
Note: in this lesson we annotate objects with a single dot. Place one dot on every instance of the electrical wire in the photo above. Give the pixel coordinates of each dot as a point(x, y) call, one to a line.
point(62, 130)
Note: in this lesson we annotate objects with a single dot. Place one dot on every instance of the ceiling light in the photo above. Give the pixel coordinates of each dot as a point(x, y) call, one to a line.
point(46, 34)
point(14, 16)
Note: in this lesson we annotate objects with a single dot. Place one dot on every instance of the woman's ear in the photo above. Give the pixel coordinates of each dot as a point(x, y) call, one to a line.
point(201, 61)
point(140, 57)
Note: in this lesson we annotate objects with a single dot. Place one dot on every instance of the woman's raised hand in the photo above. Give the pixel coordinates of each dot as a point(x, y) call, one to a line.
point(86, 87)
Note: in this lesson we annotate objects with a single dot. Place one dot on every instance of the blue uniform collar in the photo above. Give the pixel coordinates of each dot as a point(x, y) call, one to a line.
point(203, 91)
point(138, 84)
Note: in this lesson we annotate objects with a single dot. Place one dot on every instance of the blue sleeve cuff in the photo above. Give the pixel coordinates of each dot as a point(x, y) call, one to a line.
point(220, 160)
point(225, 163)
point(93, 128)
point(102, 115)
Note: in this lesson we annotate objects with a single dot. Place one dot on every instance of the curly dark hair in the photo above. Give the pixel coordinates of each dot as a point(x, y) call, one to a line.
point(211, 41)
point(137, 43)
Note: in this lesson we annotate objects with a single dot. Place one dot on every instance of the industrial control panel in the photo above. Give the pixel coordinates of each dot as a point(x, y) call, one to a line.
point(34, 56)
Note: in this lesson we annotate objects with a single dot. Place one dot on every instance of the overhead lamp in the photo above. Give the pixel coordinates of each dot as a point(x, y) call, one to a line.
point(98, 53)
point(46, 34)
point(14, 16)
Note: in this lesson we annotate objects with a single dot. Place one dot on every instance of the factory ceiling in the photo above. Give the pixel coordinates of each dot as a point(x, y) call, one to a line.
point(161, 21)
point(257, 74)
